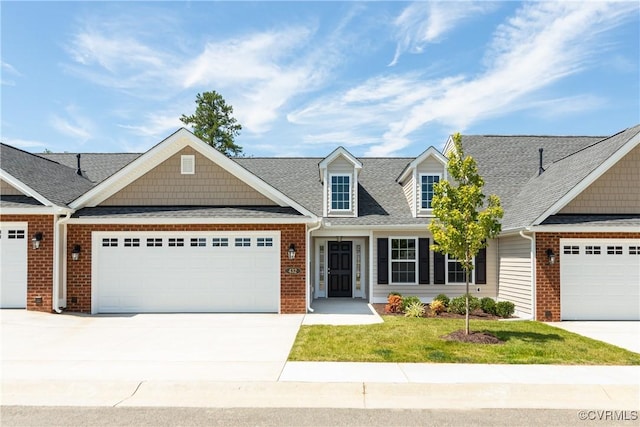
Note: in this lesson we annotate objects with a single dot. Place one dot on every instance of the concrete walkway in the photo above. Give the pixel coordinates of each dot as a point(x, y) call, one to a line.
point(623, 334)
point(240, 361)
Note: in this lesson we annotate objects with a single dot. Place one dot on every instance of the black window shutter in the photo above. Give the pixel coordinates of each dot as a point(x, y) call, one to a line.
point(423, 261)
point(383, 261)
point(481, 267)
point(438, 268)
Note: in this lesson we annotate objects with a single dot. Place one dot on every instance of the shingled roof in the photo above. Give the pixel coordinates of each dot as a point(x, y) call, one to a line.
point(57, 183)
point(509, 165)
point(542, 191)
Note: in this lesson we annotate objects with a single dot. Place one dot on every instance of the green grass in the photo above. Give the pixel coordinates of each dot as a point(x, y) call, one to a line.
point(401, 339)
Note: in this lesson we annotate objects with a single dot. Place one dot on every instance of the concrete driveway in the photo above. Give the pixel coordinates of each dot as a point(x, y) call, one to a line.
point(210, 347)
point(625, 334)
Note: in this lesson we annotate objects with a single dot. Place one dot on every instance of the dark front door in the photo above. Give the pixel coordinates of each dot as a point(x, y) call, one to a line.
point(340, 269)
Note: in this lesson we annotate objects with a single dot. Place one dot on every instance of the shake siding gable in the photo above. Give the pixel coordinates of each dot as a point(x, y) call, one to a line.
point(7, 189)
point(617, 191)
point(514, 281)
point(165, 185)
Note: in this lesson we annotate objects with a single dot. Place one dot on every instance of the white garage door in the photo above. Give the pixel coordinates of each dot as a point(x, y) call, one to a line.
point(13, 265)
point(186, 272)
point(600, 279)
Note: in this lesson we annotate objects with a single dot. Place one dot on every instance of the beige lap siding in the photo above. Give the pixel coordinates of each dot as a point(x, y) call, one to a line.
point(548, 276)
point(292, 286)
point(39, 261)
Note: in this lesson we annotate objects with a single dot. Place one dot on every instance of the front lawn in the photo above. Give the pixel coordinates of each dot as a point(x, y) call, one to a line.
point(401, 339)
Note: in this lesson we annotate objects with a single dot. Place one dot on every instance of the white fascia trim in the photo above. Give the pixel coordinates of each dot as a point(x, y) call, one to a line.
point(44, 210)
point(169, 147)
point(171, 221)
point(584, 229)
point(412, 227)
point(590, 179)
point(448, 146)
point(340, 151)
point(25, 189)
point(429, 152)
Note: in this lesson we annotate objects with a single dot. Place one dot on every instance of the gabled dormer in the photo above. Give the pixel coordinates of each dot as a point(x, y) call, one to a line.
point(419, 177)
point(339, 176)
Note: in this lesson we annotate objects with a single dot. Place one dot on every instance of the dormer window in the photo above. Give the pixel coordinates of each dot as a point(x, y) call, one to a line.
point(340, 192)
point(427, 183)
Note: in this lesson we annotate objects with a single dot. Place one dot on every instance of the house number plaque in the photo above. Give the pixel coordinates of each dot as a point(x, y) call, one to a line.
point(292, 270)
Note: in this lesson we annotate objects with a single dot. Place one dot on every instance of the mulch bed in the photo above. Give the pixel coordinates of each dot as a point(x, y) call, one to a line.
point(475, 315)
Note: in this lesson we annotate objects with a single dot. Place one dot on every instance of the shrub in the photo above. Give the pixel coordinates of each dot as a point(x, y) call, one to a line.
point(443, 298)
point(437, 307)
point(394, 304)
point(505, 309)
point(407, 301)
point(415, 309)
point(488, 305)
point(458, 305)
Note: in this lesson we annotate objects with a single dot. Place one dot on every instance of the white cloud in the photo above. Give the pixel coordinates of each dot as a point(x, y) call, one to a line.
point(543, 43)
point(156, 125)
point(10, 70)
point(423, 23)
point(75, 125)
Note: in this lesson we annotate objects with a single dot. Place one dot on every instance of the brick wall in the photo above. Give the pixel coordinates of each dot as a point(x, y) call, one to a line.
point(548, 276)
point(39, 261)
point(292, 286)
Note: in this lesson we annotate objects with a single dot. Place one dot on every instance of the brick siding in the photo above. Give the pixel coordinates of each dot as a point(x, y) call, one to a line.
point(548, 276)
point(39, 261)
point(292, 286)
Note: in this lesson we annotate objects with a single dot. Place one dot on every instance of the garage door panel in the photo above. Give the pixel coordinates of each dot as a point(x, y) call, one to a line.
point(165, 273)
point(13, 265)
point(599, 286)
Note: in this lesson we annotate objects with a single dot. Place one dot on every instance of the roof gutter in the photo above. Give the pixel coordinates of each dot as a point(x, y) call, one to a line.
point(60, 222)
point(533, 270)
point(308, 262)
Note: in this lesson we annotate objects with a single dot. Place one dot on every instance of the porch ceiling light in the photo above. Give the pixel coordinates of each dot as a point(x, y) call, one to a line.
point(36, 239)
point(75, 253)
point(551, 256)
point(292, 251)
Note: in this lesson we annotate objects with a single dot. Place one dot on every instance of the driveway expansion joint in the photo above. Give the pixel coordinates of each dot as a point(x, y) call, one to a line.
point(130, 396)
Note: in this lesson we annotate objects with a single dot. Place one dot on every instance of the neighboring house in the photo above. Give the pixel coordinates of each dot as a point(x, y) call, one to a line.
point(182, 228)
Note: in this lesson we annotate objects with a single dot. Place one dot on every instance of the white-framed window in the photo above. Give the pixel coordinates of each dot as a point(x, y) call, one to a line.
point(109, 242)
point(614, 250)
point(455, 271)
point(427, 183)
point(175, 242)
point(634, 250)
point(187, 164)
point(198, 242)
point(264, 241)
point(592, 250)
point(340, 192)
point(403, 260)
point(154, 242)
point(219, 242)
point(132, 242)
point(571, 250)
point(243, 241)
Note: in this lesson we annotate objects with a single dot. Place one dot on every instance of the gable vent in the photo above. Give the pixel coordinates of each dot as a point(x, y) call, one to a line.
point(188, 164)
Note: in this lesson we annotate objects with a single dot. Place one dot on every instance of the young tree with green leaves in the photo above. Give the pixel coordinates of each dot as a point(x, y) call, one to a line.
point(214, 124)
point(461, 227)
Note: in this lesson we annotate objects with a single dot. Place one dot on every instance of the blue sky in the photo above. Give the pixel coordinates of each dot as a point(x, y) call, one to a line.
point(379, 78)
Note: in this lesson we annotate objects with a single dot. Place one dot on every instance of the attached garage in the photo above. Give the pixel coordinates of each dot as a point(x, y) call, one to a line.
point(13, 269)
point(235, 271)
point(600, 279)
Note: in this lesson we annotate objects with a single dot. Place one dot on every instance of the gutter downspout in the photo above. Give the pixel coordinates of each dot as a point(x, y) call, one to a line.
point(533, 272)
point(308, 266)
point(56, 258)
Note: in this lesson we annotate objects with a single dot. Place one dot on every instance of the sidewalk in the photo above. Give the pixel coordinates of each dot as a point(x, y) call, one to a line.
point(358, 385)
